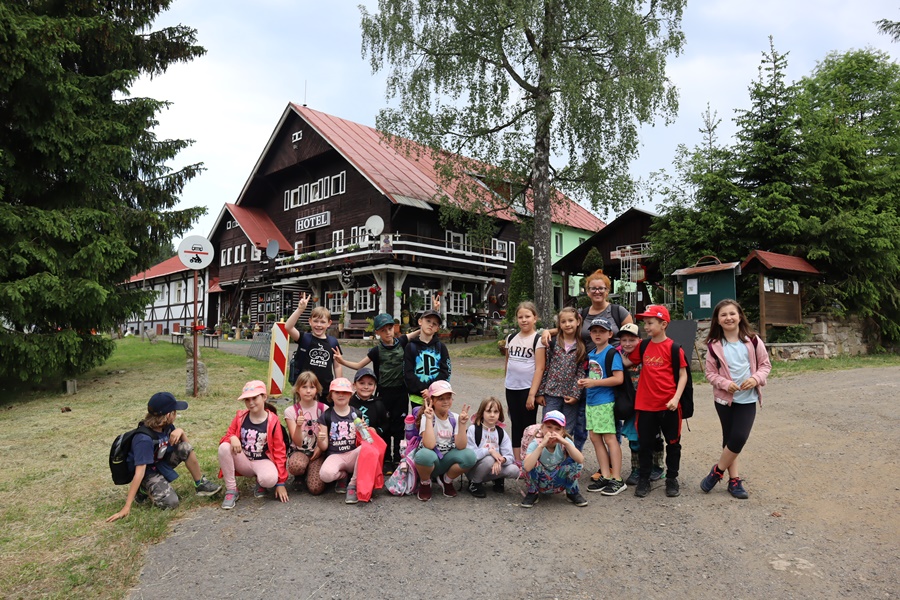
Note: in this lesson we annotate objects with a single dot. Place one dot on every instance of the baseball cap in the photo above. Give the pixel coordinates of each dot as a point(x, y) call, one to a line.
point(433, 313)
point(162, 403)
point(555, 416)
point(382, 320)
point(630, 328)
point(341, 384)
point(657, 311)
point(600, 322)
point(365, 371)
point(439, 388)
point(253, 388)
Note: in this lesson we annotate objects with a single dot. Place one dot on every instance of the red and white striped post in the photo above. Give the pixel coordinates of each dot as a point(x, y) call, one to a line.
point(278, 360)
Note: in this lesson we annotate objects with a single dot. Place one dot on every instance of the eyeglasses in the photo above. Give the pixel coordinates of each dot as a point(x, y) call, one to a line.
point(603, 289)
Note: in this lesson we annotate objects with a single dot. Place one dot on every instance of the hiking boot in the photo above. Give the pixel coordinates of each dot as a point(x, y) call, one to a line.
point(736, 488)
point(643, 488)
point(633, 478)
point(351, 495)
point(424, 492)
point(499, 486)
point(340, 486)
point(448, 488)
point(529, 500)
point(259, 491)
point(672, 487)
point(577, 499)
point(597, 484)
point(613, 487)
point(477, 490)
point(207, 487)
point(714, 477)
point(231, 498)
point(656, 473)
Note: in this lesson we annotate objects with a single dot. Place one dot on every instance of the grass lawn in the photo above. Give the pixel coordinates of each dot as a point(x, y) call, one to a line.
point(55, 487)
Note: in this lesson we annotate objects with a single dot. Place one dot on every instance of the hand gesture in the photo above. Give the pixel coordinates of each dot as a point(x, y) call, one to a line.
point(304, 300)
point(301, 419)
point(338, 357)
point(733, 387)
point(436, 302)
point(464, 414)
point(428, 411)
point(584, 382)
point(322, 435)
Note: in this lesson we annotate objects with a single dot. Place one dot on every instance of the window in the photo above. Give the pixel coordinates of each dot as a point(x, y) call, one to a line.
point(360, 235)
point(455, 241)
point(298, 249)
point(178, 291)
point(315, 194)
point(244, 253)
point(287, 199)
point(228, 256)
point(325, 187)
point(425, 294)
point(334, 302)
point(339, 183)
point(512, 252)
point(499, 248)
point(304, 194)
point(337, 240)
point(457, 304)
point(364, 300)
point(228, 225)
point(222, 260)
point(255, 253)
point(558, 243)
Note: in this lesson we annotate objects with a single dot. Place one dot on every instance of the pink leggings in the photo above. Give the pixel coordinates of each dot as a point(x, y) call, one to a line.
point(232, 464)
point(338, 465)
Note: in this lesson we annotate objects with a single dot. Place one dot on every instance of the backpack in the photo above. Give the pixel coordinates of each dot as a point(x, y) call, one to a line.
point(118, 454)
point(529, 434)
point(687, 396)
point(623, 409)
point(405, 479)
point(478, 433)
point(615, 312)
point(413, 442)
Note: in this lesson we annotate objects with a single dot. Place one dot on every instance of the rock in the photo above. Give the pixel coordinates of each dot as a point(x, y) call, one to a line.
point(202, 378)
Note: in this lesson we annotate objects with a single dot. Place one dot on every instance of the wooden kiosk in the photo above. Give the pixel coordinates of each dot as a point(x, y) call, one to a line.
point(779, 287)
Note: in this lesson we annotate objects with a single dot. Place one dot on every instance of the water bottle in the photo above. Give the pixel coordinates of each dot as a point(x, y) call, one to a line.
point(409, 427)
point(363, 429)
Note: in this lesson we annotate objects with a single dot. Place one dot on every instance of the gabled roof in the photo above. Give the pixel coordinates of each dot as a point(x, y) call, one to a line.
point(779, 262)
point(411, 180)
point(708, 269)
point(256, 225)
point(166, 267)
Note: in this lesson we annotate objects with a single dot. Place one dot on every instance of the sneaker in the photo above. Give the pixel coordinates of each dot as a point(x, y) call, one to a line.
point(424, 492)
point(477, 490)
point(672, 487)
point(351, 495)
point(633, 478)
point(340, 486)
point(597, 484)
point(529, 500)
point(231, 497)
point(736, 488)
point(576, 499)
point(207, 487)
point(710, 481)
point(613, 487)
point(499, 486)
point(643, 488)
point(656, 473)
point(260, 491)
point(141, 496)
point(387, 469)
point(448, 488)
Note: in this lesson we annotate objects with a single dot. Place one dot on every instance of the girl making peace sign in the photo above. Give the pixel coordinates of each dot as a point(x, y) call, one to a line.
point(443, 452)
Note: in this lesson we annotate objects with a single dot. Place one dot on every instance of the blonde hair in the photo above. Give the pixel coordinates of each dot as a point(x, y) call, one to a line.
point(304, 378)
point(155, 421)
point(320, 312)
point(486, 404)
point(527, 305)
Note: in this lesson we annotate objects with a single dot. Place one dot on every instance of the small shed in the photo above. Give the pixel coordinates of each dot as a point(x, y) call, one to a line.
point(779, 287)
point(704, 285)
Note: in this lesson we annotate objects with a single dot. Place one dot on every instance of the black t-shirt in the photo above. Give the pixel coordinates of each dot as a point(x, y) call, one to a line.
point(372, 411)
point(317, 355)
point(253, 438)
point(341, 431)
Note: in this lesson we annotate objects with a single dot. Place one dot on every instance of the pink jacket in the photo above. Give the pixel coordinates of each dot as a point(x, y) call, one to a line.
point(720, 377)
point(276, 450)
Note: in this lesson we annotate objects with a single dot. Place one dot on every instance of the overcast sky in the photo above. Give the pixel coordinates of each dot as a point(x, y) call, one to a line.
point(264, 54)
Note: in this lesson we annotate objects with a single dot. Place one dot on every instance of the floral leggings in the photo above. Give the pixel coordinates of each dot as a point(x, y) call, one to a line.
point(561, 478)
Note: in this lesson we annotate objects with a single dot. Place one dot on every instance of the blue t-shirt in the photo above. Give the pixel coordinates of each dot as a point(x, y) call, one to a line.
point(153, 453)
point(738, 360)
point(550, 459)
point(596, 364)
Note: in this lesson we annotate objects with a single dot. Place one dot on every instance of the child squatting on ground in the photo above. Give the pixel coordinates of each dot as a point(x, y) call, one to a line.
point(493, 449)
point(254, 446)
point(154, 458)
point(552, 463)
point(305, 458)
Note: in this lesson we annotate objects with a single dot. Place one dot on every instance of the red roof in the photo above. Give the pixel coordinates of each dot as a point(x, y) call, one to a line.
point(780, 262)
point(166, 267)
point(707, 269)
point(400, 177)
point(258, 227)
point(214, 287)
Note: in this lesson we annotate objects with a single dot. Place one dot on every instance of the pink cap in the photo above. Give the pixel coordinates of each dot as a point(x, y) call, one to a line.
point(341, 384)
point(439, 388)
point(253, 388)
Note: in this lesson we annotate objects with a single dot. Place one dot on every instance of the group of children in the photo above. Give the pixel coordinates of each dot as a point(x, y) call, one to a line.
point(353, 434)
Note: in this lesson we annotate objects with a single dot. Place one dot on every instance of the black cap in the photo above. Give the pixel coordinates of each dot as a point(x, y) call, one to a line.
point(162, 403)
point(363, 372)
point(433, 313)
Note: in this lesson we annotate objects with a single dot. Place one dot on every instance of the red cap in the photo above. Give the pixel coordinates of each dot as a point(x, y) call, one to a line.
point(656, 310)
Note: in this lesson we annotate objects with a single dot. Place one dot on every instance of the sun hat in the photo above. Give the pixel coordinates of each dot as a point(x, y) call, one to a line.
point(253, 388)
point(341, 384)
point(439, 388)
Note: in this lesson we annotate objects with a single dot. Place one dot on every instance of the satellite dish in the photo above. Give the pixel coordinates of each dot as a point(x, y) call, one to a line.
point(272, 248)
point(375, 225)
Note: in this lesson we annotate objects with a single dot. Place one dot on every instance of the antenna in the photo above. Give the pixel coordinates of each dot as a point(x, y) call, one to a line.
point(304, 92)
point(272, 249)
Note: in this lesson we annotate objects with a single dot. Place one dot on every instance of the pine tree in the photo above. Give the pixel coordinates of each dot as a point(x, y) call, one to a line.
point(86, 196)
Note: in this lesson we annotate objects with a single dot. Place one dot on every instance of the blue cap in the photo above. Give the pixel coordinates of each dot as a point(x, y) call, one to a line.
point(363, 372)
point(382, 320)
point(162, 403)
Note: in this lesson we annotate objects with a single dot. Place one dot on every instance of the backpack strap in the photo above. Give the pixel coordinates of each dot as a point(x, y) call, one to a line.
point(676, 362)
point(709, 350)
point(644, 343)
point(478, 429)
point(609, 362)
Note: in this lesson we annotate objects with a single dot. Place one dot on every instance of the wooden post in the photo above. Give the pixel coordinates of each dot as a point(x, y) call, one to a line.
point(762, 306)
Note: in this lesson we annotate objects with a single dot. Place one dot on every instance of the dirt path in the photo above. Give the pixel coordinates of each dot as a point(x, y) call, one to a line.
point(821, 522)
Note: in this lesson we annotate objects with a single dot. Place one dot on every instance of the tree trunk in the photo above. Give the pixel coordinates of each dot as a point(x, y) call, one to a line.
point(540, 177)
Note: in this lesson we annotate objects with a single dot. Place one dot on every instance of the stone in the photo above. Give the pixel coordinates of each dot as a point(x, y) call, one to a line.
point(202, 378)
point(189, 346)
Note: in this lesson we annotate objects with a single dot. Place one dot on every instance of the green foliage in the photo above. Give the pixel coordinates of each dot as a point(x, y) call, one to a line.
point(521, 281)
point(593, 261)
point(86, 196)
point(791, 334)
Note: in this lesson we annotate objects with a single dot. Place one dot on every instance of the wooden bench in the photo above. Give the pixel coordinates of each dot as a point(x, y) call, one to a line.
point(177, 338)
point(210, 340)
point(356, 328)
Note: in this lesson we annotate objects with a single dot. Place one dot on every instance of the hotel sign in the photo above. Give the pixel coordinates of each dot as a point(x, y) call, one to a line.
point(322, 219)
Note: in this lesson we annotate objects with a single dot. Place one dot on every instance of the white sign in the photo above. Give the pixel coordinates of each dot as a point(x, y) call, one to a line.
point(195, 252)
point(705, 300)
point(691, 287)
point(322, 219)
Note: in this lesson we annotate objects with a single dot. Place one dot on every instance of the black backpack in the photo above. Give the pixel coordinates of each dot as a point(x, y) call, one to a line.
point(687, 396)
point(118, 454)
point(479, 429)
point(624, 393)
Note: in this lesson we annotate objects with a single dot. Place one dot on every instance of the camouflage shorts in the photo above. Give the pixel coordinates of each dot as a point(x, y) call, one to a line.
point(155, 484)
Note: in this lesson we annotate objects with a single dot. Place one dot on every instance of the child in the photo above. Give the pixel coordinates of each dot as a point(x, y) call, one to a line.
point(559, 386)
point(657, 401)
point(552, 463)
point(601, 421)
point(492, 447)
point(737, 366)
point(302, 420)
point(254, 445)
point(155, 457)
point(386, 358)
point(337, 439)
point(368, 406)
point(525, 359)
point(372, 463)
point(443, 452)
point(629, 338)
point(315, 350)
point(425, 360)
